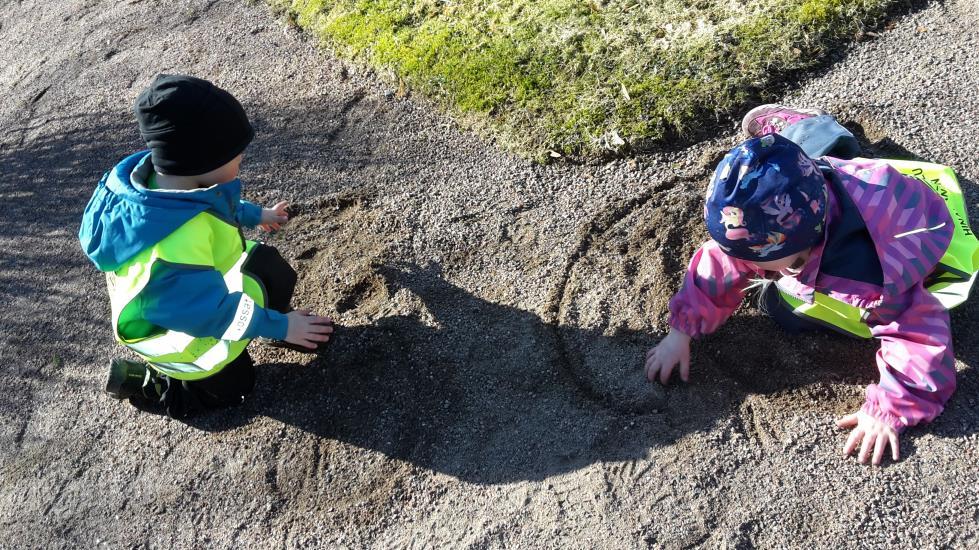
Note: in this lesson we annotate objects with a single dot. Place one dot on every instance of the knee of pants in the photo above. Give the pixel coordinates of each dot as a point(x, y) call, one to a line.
point(267, 265)
point(289, 275)
point(278, 267)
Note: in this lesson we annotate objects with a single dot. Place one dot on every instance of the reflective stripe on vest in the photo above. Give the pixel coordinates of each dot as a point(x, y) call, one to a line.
point(178, 354)
point(953, 276)
point(829, 312)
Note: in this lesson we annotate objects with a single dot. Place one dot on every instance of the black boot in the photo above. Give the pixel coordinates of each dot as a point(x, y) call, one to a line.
point(124, 378)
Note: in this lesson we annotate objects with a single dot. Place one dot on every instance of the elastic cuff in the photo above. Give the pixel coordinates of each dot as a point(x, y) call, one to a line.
point(268, 323)
point(249, 214)
point(893, 421)
point(678, 323)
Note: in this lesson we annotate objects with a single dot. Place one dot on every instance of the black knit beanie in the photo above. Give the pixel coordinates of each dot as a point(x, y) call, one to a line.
point(190, 125)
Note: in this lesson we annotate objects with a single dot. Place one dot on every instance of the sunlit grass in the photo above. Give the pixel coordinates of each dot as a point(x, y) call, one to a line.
point(584, 77)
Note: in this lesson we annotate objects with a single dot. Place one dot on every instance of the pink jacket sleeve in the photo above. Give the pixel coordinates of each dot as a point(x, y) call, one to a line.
point(917, 368)
point(712, 289)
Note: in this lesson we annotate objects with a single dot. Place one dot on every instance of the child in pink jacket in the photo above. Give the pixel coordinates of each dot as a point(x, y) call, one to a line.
point(856, 231)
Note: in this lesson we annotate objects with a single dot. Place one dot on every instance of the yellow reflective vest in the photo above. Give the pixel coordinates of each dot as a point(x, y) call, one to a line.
point(951, 280)
point(174, 353)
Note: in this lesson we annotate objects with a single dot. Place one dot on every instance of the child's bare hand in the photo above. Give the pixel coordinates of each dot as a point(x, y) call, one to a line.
point(273, 218)
point(873, 434)
point(672, 350)
point(308, 330)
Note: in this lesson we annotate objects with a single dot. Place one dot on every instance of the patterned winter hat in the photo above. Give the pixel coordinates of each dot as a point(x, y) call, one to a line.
point(767, 200)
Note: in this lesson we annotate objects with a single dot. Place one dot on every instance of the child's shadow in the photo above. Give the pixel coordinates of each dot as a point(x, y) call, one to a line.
point(484, 392)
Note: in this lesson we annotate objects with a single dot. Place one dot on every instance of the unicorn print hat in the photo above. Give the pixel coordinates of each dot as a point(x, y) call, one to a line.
point(766, 201)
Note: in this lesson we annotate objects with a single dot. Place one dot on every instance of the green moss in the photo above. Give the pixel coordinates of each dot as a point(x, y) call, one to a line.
point(573, 75)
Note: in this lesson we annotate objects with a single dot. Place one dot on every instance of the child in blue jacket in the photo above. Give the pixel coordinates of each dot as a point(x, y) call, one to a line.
point(188, 291)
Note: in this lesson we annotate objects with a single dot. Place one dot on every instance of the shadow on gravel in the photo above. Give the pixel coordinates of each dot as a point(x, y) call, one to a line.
point(492, 394)
point(880, 146)
point(46, 184)
point(50, 165)
point(470, 388)
point(46, 283)
point(483, 397)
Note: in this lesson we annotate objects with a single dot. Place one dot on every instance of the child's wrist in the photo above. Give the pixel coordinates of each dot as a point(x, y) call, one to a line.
point(890, 420)
point(677, 333)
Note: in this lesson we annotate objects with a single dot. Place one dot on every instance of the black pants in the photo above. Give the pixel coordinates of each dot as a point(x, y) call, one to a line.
point(236, 380)
point(781, 312)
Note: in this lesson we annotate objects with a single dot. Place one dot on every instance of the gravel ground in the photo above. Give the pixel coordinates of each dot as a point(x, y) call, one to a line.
point(484, 389)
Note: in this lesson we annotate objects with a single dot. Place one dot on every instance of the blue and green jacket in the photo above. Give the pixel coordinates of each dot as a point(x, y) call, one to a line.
point(124, 218)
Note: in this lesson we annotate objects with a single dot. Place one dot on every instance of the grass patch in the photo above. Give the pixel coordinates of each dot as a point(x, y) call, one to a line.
point(586, 78)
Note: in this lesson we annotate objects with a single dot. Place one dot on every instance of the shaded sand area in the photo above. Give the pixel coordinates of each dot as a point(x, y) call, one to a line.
point(485, 388)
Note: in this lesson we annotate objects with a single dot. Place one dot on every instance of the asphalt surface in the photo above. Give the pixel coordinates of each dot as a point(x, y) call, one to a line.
point(484, 389)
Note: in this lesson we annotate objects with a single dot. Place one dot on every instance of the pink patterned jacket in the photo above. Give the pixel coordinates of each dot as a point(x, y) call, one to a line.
point(910, 228)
